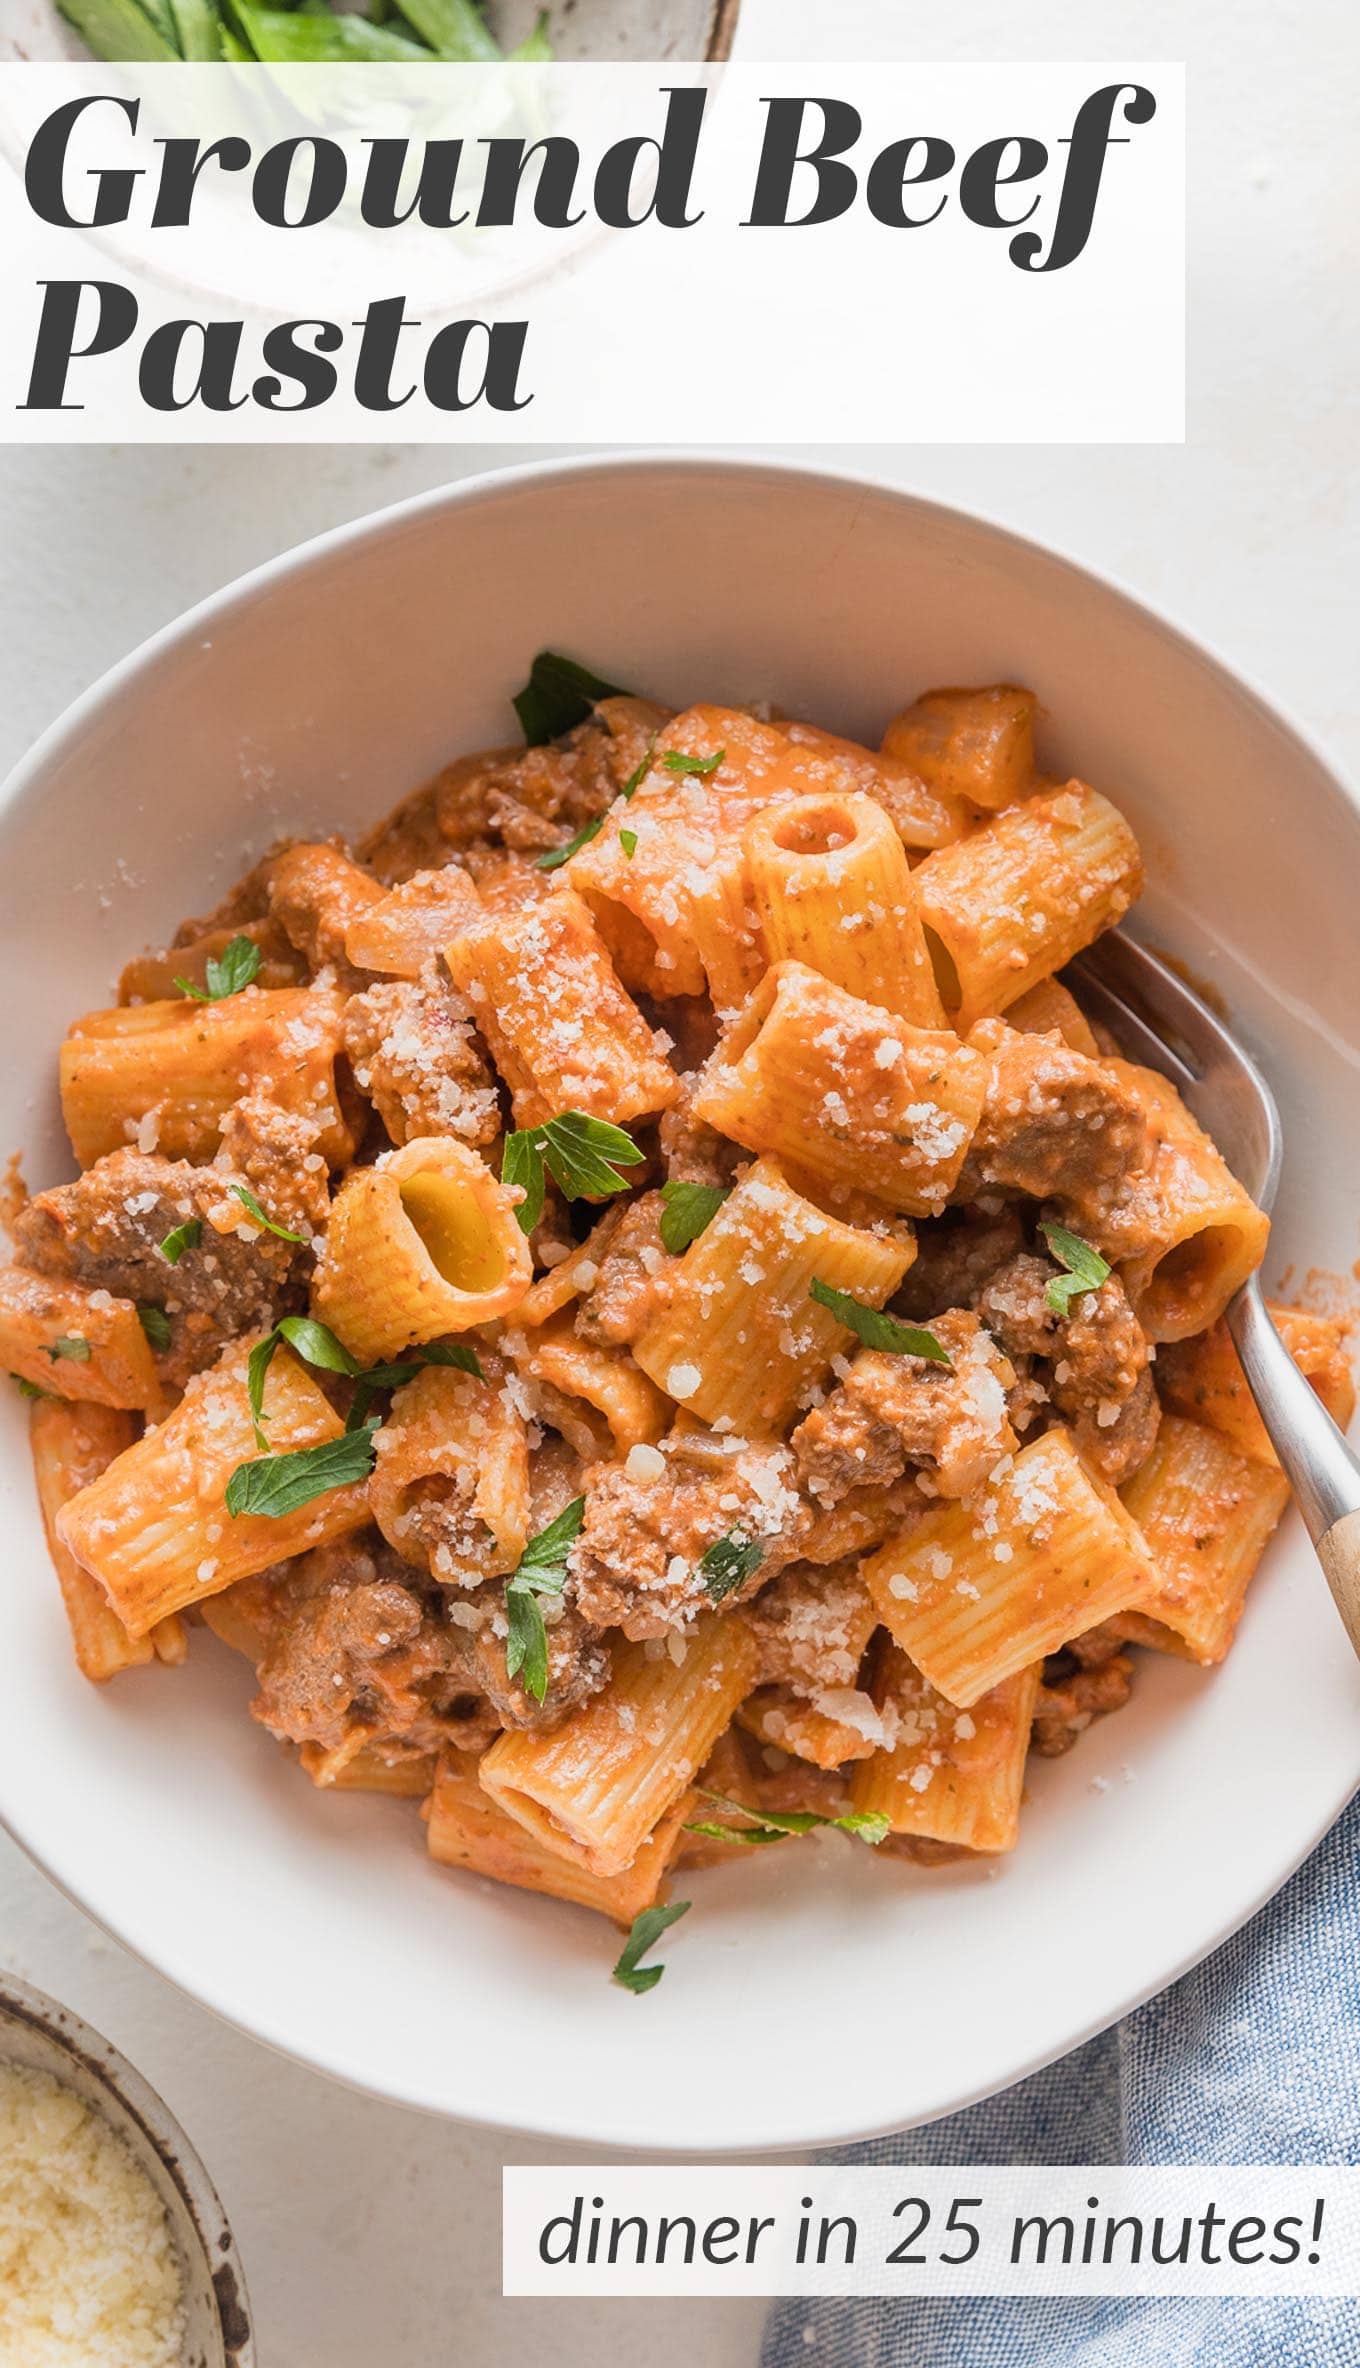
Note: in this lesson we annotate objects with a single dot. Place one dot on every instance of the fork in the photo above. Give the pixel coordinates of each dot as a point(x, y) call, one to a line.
point(1161, 1023)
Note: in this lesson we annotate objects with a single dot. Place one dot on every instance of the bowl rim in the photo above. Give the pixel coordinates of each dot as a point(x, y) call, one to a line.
point(719, 461)
point(165, 2139)
point(26, 777)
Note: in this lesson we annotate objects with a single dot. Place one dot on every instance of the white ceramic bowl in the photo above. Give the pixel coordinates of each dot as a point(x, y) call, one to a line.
point(41, 2036)
point(812, 1995)
point(36, 29)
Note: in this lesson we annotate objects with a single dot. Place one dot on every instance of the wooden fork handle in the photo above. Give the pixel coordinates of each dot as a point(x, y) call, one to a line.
point(1320, 1467)
point(1339, 1553)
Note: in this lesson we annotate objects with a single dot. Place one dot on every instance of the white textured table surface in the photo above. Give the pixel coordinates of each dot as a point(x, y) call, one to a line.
point(371, 2235)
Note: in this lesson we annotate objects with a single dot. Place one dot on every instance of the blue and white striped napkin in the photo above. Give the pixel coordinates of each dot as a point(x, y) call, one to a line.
point(1252, 2058)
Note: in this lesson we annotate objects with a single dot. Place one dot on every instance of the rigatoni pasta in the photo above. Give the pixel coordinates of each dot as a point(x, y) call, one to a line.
point(1204, 1512)
point(1008, 905)
point(862, 1101)
point(67, 1341)
point(600, 1785)
point(739, 1340)
point(165, 1075)
point(1184, 1232)
point(988, 1585)
point(154, 1529)
point(948, 1775)
point(72, 1445)
point(466, 1828)
point(422, 1243)
point(833, 889)
point(1202, 1377)
point(563, 1033)
point(977, 746)
point(632, 1298)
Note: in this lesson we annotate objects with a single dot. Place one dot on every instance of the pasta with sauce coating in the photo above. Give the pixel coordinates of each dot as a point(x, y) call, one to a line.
point(788, 1429)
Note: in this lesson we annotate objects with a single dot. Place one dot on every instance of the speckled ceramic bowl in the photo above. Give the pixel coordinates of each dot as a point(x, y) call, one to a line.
point(43, 2037)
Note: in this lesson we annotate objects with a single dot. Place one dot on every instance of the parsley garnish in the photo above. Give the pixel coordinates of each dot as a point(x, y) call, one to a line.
point(678, 762)
point(317, 1345)
point(183, 1237)
point(156, 1325)
point(770, 1825)
point(278, 1484)
point(639, 773)
point(71, 1345)
point(1086, 1269)
point(689, 1209)
point(628, 842)
point(226, 973)
point(248, 1202)
point(875, 1329)
point(582, 1155)
point(729, 1562)
point(26, 1388)
point(646, 1930)
point(542, 1570)
point(557, 856)
point(393, 1377)
point(558, 695)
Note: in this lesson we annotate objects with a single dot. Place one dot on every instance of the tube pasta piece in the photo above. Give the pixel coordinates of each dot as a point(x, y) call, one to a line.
point(316, 894)
point(410, 926)
point(450, 1485)
point(951, 1775)
point(827, 1730)
point(370, 1767)
point(601, 1783)
point(980, 1589)
point(562, 1032)
point(921, 815)
point(977, 744)
point(604, 1403)
point(170, 1639)
point(573, 1276)
point(739, 1340)
point(422, 1243)
point(833, 889)
point(1205, 1512)
point(1049, 1010)
point(1017, 898)
point(1201, 1377)
point(166, 1075)
point(466, 1828)
point(1181, 1229)
point(154, 1530)
point(152, 978)
point(854, 1097)
point(239, 1617)
point(72, 1342)
point(674, 911)
point(71, 1446)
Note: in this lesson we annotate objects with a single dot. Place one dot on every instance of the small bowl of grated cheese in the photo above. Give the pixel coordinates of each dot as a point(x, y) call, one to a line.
point(113, 2244)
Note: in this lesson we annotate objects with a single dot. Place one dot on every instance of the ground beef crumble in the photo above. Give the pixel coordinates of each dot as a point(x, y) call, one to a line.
point(415, 1053)
point(891, 1412)
point(631, 1284)
point(105, 1230)
point(1097, 1358)
point(1053, 1121)
point(1066, 1705)
point(650, 1520)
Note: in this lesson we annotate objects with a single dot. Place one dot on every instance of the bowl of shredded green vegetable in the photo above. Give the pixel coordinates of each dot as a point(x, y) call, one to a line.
point(330, 32)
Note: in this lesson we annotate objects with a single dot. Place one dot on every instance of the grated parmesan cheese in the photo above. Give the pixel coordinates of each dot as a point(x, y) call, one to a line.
point(87, 2267)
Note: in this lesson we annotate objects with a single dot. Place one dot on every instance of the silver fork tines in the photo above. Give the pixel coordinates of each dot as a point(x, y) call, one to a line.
point(1164, 1025)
